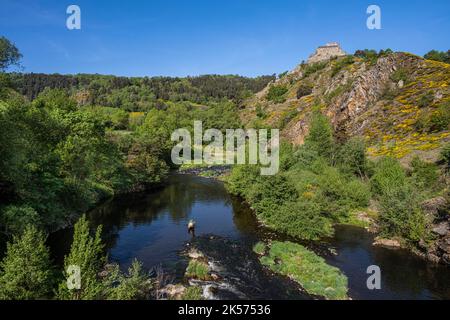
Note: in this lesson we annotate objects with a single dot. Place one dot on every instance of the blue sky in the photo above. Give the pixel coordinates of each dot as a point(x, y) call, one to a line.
point(192, 37)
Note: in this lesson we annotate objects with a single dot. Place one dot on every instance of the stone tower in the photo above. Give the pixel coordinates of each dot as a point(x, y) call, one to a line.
point(326, 52)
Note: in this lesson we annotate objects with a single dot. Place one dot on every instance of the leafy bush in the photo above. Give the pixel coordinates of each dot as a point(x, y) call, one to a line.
point(352, 156)
point(341, 64)
point(304, 90)
point(312, 68)
point(426, 99)
point(132, 286)
point(16, 218)
point(370, 56)
point(425, 175)
point(271, 191)
point(276, 93)
point(192, 293)
point(439, 120)
point(400, 74)
point(260, 112)
point(388, 177)
point(435, 120)
point(301, 219)
point(400, 210)
point(440, 56)
point(320, 136)
point(259, 248)
point(445, 155)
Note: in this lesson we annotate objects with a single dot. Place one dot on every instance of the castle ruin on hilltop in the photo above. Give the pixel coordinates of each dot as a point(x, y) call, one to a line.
point(326, 52)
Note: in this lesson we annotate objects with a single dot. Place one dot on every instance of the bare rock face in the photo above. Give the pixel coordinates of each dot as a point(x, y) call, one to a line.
point(326, 52)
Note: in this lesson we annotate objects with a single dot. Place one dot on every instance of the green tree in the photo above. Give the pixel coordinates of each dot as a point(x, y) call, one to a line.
point(26, 271)
point(320, 137)
point(135, 285)
point(352, 156)
point(441, 56)
point(277, 93)
point(9, 54)
point(86, 252)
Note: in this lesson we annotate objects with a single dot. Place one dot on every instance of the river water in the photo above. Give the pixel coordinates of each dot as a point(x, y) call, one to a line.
point(152, 228)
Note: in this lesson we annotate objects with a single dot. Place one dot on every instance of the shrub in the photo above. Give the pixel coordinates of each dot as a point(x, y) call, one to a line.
point(132, 286)
point(16, 218)
point(400, 210)
point(369, 56)
point(276, 93)
point(241, 179)
point(25, 271)
point(320, 136)
point(270, 191)
point(301, 219)
point(445, 155)
point(303, 90)
point(283, 74)
point(259, 248)
point(342, 63)
point(440, 56)
point(352, 156)
point(401, 214)
point(340, 195)
point(309, 69)
point(192, 293)
point(260, 112)
point(400, 74)
point(425, 175)
point(440, 119)
point(426, 100)
point(389, 176)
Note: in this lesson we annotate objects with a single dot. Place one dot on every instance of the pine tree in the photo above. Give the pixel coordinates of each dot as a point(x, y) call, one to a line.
point(26, 271)
point(86, 253)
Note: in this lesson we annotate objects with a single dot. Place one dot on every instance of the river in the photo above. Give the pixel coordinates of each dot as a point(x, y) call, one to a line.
point(152, 228)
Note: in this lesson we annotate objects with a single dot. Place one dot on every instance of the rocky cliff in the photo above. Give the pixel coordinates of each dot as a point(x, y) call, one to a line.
point(398, 101)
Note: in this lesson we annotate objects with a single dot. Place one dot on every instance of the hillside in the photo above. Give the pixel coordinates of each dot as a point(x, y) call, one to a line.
point(398, 101)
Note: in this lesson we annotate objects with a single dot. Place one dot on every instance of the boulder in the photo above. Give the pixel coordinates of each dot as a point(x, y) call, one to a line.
point(173, 291)
point(434, 205)
point(386, 243)
point(441, 229)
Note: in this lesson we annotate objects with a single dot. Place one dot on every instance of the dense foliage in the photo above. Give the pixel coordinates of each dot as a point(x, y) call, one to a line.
point(319, 185)
point(440, 56)
point(141, 94)
point(323, 182)
point(25, 272)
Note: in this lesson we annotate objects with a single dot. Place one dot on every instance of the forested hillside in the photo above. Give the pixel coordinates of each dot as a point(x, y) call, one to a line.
point(67, 142)
point(141, 94)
